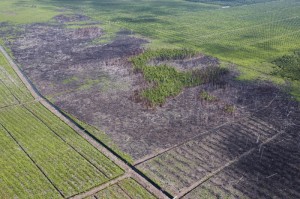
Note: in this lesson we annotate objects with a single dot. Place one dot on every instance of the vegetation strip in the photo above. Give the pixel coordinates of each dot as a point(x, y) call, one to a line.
point(40, 169)
point(127, 188)
point(16, 105)
point(101, 187)
point(67, 142)
point(19, 173)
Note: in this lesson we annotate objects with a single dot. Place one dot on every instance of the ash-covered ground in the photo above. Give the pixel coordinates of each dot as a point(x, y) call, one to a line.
point(96, 83)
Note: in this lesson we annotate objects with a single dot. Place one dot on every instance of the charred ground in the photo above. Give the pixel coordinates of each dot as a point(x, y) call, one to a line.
point(97, 84)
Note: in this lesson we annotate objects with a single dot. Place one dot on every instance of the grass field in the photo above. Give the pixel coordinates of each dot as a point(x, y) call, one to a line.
point(251, 35)
point(43, 156)
point(127, 188)
point(12, 89)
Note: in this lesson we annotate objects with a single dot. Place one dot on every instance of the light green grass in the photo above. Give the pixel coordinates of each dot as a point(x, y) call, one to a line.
point(126, 189)
point(20, 178)
point(12, 89)
point(26, 11)
point(100, 161)
point(250, 36)
point(135, 190)
point(207, 97)
point(52, 149)
point(66, 168)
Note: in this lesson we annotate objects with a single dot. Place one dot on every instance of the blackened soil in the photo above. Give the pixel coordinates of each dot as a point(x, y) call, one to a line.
point(96, 84)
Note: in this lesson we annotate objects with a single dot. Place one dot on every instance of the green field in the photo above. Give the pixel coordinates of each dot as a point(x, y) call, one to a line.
point(250, 35)
point(42, 157)
point(12, 89)
point(127, 189)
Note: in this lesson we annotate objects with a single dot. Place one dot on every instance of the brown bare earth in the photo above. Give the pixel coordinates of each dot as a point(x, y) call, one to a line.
point(244, 143)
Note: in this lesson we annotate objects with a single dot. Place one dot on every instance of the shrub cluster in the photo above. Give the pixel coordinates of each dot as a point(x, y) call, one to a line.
point(288, 66)
point(166, 81)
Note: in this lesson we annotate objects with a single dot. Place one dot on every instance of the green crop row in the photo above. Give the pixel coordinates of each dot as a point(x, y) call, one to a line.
point(127, 188)
point(64, 162)
point(12, 89)
point(134, 189)
point(19, 176)
point(64, 131)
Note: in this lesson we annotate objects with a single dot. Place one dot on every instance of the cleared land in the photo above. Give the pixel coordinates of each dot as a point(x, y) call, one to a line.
point(193, 138)
point(273, 172)
point(70, 64)
point(194, 160)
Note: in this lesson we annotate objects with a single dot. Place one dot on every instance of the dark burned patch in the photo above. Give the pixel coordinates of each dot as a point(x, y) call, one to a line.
point(272, 169)
point(62, 60)
point(96, 84)
point(3, 24)
point(71, 18)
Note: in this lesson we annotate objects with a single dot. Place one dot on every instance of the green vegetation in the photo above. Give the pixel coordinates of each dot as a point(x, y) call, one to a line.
point(288, 66)
point(166, 80)
point(250, 36)
point(106, 166)
point(41, 153)
point(127, 188)
point(135, 190)
point(231, 2)
point(207, 97)
point(71, 163)
point(12, 89)
point(229, 109)
point(21, 12)
point(20, 178)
